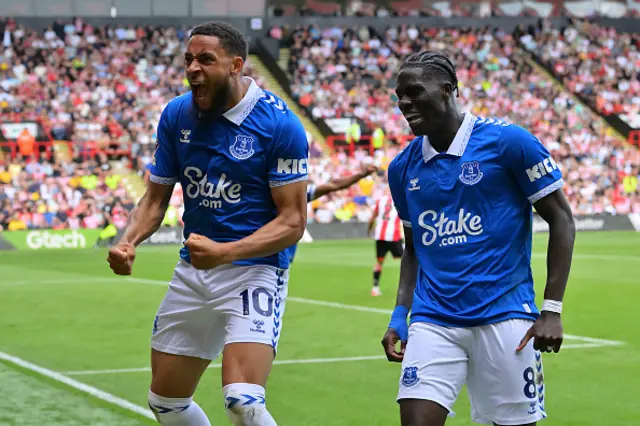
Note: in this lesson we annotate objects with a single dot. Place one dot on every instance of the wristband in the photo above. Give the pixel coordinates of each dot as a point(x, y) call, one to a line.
point(400, 313)
point(552, 306)
point(399, 322)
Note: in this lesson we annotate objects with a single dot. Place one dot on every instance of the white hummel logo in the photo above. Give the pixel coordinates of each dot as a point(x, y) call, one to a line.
point(414, 184)
point(185, 136)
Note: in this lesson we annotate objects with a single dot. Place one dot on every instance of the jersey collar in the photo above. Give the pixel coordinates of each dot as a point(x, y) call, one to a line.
point(238, 113)
point(459, 143)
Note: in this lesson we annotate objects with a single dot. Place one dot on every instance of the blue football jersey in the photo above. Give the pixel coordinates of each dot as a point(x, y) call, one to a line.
point(470, 210)
point(228, 165)
point(291, 251)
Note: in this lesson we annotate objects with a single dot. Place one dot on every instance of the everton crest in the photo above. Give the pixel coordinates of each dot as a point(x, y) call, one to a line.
point(471, 173)
point(242, 147)
point(410, 376)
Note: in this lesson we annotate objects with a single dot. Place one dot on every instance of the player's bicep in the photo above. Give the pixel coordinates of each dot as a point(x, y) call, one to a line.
point(291, 201)
point(554, 208)
point(409, 249)
point(533, 167)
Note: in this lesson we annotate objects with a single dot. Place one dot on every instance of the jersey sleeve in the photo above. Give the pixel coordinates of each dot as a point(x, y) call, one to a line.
point(398, 192)
point(535, 171)
point(289, 156)
point(164, 167)
point(311, 192)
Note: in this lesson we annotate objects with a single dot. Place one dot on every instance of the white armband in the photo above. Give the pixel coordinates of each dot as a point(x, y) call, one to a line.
point(552, 306)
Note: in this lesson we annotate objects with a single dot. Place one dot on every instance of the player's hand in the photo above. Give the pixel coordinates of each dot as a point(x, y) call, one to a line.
point(369, 170)
point(121, 258)
point(206, 253)
point(389, 343)
point(546, 333)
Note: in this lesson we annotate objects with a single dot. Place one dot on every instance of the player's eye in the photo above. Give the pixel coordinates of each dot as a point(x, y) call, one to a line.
point(414, 91)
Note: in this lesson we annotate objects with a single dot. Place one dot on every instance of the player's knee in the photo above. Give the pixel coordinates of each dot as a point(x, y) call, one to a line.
point(246, 405)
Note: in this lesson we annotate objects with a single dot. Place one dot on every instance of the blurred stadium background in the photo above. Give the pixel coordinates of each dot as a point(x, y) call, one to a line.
point(82, 86)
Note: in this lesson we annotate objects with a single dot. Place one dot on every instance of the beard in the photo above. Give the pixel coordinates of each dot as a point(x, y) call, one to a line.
point(219, 100)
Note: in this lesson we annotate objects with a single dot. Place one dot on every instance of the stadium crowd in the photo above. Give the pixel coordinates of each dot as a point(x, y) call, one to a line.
point(593, 61)
point(347, 72)
point(50, 193)
point(108, 85)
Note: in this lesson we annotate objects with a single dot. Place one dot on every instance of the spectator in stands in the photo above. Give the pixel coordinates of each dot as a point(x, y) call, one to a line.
point(340, 72)
point(26, 144)
point(595, 62)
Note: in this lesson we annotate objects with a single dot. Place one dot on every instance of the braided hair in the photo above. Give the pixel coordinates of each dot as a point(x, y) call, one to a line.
point(431, 61)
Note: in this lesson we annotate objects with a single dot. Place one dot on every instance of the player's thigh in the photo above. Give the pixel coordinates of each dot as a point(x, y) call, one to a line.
point(246, 362)
point(175, 376)
point(381, 250)
point(434, 369)
point(254, 323)
point(397, 249)
point(420, 412)
point(183, 337)
point(505, 387)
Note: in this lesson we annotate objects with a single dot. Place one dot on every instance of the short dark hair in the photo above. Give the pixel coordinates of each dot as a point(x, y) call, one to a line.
point(432, 61)
point(230, 38)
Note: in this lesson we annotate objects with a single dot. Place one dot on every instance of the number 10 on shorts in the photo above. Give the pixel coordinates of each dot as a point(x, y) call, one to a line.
point(256, 301)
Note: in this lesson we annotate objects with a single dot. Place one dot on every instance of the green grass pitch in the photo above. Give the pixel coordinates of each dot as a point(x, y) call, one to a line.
point(64, 311)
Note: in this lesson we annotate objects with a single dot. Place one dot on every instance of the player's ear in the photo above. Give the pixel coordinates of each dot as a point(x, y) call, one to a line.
point(236, 65)
point(447, 90)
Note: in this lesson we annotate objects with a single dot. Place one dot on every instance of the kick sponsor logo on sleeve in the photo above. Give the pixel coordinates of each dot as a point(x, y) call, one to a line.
point(292, 166)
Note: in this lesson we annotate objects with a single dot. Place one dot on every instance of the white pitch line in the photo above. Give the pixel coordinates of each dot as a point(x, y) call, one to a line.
point(605, 342)
point(589, 345)
point(337, 305)
point(60, 281)
point(276, 362)
point(306, 361)
point(94, 392)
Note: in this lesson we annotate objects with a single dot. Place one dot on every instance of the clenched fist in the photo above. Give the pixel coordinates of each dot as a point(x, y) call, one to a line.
point(121, 258)
point(206, 253)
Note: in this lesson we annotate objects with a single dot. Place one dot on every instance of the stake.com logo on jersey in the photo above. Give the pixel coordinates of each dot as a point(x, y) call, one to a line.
point(450, 231)
point(213, 193)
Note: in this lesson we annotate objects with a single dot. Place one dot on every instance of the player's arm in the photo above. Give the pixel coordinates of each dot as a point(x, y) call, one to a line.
point(556, 211)
point(282, 232)
point(547, 330)
point(408, 273)
point(372, 219)
point(146, 217)
point(540, 180)
point(398, 329)
point(342, 183)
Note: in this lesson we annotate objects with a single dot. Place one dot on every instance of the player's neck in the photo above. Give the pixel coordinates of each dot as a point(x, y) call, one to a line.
point(442, 139)
point(238, 91)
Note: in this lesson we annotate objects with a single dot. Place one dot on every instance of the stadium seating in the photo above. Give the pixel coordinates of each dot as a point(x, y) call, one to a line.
point(42, 193)
point(348, 73)
point(106, 87)
point(596, 62)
